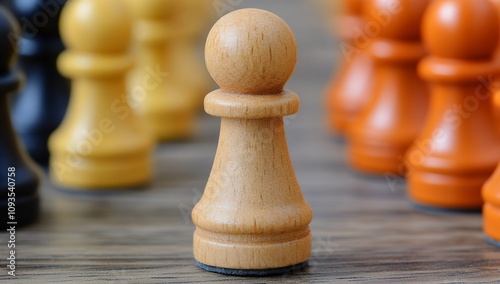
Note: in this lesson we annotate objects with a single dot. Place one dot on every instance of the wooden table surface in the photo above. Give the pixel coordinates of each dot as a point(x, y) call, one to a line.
point(363, 229)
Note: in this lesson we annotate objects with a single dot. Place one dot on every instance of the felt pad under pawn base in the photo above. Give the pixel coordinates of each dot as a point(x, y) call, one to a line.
point(254, 272)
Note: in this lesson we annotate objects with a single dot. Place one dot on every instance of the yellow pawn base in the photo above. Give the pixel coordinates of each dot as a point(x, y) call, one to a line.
point(83, 173)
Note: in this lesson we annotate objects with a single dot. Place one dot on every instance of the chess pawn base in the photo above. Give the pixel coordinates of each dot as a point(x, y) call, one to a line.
point(106, 172)
point(449, 191)
point(263, 223)
point(380, 136)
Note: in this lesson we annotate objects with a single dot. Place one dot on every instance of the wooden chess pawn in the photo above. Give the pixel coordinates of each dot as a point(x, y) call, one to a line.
point(40, 106)
point(101, 143)
point(252, 218)
point(19, 188)
point(386, 128)
point(350, 89)
point(458, 148)
point(169, 107)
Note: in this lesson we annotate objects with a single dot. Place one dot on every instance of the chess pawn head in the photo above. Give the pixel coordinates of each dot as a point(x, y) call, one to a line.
point(251, 54)
point(397, 20)
point(447, 169)
point(464, 30)
point(96, 26)
point(259, 63)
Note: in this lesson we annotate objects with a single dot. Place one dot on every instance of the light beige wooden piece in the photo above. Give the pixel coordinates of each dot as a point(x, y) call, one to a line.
point(252, 214)
point(169, 106)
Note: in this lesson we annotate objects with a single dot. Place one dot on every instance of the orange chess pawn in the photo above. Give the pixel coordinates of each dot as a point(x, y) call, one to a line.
point(385, 129)
point(349, 91)
point(459, 146)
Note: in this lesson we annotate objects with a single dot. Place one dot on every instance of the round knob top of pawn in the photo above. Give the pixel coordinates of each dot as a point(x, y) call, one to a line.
point(96, 26)
point(395, 19)
point(251, 51)
point(461, 29)
point(9, 31)
point(40, 17)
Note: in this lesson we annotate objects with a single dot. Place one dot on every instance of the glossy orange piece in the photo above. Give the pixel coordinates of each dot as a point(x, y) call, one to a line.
point(349, 90)
point(459, 147)
point(398, 103)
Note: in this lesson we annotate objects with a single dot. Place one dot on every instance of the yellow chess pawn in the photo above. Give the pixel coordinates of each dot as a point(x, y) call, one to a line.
point(101, 143)
point(193, 18)
point(169, 108)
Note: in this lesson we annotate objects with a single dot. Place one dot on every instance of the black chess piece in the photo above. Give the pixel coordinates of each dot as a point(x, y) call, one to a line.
point(41, 105)
point(19, 176)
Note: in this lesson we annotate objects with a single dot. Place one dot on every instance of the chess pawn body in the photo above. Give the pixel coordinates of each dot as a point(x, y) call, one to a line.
point(100, 143)
point(169, 107)
point(40, 105)
point(458, 148)
point(350, 89)
point(20, 187)
point(252, 218)
point(385, 129)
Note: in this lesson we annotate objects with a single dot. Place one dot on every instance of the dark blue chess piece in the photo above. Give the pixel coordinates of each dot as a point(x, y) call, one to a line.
point(19, 177)
point(41, 105)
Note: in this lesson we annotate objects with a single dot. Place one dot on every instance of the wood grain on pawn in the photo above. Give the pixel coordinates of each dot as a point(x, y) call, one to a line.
point(252, 218)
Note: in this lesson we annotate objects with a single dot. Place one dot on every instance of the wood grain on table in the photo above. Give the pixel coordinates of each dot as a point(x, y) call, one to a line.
point(364, 228)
